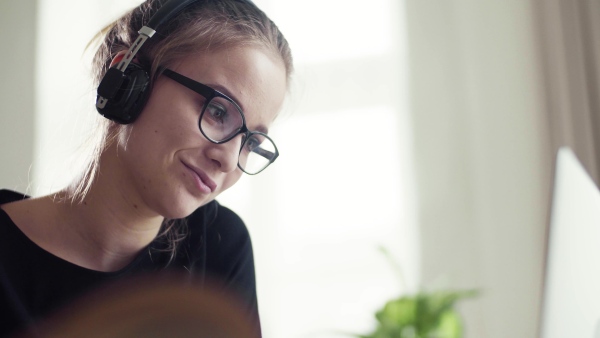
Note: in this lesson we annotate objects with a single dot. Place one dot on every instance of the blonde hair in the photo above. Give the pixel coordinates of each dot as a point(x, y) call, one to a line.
point(205, 26)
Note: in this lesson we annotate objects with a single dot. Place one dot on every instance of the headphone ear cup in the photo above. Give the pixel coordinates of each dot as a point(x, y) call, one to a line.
point(126, 92)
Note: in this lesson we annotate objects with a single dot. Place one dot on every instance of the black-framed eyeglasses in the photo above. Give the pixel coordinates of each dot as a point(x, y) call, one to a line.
point(222, 119)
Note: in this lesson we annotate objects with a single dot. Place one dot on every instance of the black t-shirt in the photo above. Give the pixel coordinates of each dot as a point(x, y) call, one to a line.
point(34, 283)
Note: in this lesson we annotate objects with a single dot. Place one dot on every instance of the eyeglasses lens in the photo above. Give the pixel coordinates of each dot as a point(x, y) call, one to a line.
point(221, 119)
point(258, 151)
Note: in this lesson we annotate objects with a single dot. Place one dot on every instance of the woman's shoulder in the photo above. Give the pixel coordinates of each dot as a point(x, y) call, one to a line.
point(8, 229)
point(216, 242)
point(7, 199)
point(228, 220)
point(222, 235)
point(30, 215)
point(228, 252)
point(8, 196)
point(217, 218)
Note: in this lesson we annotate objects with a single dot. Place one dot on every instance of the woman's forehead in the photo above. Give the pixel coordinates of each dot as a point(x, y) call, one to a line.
point(252, 76)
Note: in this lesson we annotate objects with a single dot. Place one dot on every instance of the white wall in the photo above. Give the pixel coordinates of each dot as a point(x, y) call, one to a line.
point(17, 92)
point(65, 98)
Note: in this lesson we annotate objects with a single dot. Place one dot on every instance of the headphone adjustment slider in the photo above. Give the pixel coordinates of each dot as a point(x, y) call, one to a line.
point(147, 31)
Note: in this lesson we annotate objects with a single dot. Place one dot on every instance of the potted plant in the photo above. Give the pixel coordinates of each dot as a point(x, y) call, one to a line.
point(420, 315)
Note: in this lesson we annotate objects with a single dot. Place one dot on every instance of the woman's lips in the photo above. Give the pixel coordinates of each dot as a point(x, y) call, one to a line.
point(203, 182)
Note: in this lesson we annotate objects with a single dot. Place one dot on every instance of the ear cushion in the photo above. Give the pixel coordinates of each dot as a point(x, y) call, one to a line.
point(126, 92)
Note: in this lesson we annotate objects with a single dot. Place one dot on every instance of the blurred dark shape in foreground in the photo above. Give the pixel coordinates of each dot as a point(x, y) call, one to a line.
point(152, 306)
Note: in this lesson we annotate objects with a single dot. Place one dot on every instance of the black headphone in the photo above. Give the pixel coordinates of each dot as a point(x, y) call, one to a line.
point(124, 89)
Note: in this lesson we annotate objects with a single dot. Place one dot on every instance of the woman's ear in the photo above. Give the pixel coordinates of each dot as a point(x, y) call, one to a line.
point(115, 61)
point(120, 55)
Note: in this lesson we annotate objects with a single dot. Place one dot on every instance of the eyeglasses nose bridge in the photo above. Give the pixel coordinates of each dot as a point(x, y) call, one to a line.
point(245, 135)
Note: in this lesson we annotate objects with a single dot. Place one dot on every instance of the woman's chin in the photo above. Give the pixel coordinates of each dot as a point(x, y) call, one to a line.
point(182, 209)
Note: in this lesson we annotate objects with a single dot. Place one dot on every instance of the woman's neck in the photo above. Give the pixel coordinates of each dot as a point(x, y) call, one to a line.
point(103, 230)
point(111, 222)
point(106, 228)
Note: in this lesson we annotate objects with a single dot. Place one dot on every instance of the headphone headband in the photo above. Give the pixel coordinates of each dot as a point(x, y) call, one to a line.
point(167, 11)
point(123, 90)
point(112, 81)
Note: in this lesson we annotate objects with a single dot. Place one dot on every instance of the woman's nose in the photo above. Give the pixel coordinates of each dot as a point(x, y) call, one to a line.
point(226, 155)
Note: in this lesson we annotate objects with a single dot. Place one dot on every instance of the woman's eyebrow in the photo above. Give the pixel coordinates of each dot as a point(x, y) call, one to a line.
point(261, 128)
point(225, 91)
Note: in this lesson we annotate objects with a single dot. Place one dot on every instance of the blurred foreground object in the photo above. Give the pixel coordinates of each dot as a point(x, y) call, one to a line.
point(153, 307)
point(424, 315)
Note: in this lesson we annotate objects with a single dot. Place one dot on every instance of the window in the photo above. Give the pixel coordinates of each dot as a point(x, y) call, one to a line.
point(342, 185)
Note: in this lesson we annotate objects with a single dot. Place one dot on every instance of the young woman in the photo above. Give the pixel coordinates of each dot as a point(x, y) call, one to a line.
point(217, 73)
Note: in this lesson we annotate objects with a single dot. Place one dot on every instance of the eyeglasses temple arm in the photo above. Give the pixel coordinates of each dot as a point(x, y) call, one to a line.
point(269, 155)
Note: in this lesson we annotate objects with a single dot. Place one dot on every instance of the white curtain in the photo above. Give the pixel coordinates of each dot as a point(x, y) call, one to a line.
point(569, 33)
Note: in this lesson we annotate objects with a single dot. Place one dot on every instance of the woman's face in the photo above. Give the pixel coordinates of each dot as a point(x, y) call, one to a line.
point(173, 168)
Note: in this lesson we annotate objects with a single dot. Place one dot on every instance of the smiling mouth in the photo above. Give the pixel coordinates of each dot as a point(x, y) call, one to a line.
point(203, 182)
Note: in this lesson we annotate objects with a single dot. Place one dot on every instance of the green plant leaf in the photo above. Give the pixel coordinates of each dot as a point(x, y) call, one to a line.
point(449, 326)
point(422, 315)
point(401, 311)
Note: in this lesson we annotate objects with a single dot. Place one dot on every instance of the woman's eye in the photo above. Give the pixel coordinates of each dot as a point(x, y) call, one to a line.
point(217, 113)
point(252, 144)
